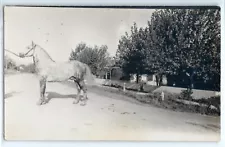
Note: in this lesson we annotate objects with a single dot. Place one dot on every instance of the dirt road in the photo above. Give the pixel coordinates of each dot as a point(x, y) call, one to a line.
point(103, 118)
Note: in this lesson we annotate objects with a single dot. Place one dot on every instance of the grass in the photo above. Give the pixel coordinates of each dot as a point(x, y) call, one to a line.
point(131, 86)
point(10, 72)
point(154, 99)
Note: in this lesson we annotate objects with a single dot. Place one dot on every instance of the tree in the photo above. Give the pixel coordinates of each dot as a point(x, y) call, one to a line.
point(177, 42)
point(186, 42)
point(30, 68)
point(9, 63)
point(131, 53)
point(96, 57)
point(79, 48)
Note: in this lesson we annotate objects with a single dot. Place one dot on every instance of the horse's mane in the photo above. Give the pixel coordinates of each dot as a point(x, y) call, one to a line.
point(45, 52)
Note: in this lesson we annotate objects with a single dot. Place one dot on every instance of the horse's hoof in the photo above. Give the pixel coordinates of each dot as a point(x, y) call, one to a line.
point(83, 103)
point(44, 102)
point(75, 101)
point(39, 103)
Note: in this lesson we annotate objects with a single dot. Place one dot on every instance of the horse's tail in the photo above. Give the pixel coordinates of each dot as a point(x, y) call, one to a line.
point(89, 77)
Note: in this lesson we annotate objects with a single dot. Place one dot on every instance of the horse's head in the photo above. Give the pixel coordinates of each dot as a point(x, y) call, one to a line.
point(38, 54)
point(30, 52)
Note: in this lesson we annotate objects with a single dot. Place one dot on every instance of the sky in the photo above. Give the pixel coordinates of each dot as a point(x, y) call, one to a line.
point(59, 30)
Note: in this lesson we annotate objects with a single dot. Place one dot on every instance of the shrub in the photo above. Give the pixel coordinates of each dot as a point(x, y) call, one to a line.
point(131, 86)
point(212, 101)
point(170, 101)
point(186, 94)
point(171, 96)
point(177, 102)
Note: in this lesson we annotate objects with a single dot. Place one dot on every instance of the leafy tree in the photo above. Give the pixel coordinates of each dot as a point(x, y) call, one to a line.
point(96, 57)
point(186, 42)
point(30, 68)
point(9, 63)
point(177, 42)
point(79, 48)
point(132, 52)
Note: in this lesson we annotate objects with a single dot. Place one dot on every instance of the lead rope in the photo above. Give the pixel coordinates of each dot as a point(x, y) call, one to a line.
point(13, 53)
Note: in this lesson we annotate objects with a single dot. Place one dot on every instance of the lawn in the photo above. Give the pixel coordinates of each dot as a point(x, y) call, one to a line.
point(172, 101)
point(130, 86)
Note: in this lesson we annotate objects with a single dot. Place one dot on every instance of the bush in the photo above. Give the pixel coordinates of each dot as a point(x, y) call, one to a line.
point(170, 102)
point(171, 96)
point(142, 87)
point(177, 102)
point(212, 101)
point(186, 94)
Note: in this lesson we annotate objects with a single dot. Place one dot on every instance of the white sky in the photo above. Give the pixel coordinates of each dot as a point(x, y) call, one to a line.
point(58, 30)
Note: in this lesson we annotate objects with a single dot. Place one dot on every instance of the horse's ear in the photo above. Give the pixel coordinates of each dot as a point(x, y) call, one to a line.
point(33, 44)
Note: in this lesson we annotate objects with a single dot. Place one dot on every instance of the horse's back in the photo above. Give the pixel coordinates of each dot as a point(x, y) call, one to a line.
point(76, 62)
point(59, 71)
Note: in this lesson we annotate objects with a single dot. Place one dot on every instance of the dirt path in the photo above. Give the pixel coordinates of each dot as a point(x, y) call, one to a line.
point(103, 118)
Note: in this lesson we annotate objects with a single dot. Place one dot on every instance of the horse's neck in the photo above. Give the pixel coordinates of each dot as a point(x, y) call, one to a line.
point(42, 59)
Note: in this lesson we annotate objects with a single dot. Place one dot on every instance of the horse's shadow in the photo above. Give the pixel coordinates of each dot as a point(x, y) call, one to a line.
point(11, 94)
point(55, 95)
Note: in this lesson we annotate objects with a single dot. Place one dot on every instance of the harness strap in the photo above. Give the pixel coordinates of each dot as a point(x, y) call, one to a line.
point(12, 53)
point(28, 52)
point(19, 55)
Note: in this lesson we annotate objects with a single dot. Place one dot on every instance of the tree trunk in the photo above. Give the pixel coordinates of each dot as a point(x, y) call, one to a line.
point(158, 79)
point(137, 78)
point(191, 82)
point(190, 85)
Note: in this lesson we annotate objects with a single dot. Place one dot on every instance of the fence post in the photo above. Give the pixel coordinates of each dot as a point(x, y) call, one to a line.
point(162, 96)
point(124, 87)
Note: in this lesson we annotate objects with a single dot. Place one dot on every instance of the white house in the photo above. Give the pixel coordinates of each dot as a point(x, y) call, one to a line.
point(149, 79)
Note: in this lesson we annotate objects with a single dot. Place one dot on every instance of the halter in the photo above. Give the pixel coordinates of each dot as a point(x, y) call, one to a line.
point(12, 53)
point(33, 47)
point(25, 55)
point(21, 55)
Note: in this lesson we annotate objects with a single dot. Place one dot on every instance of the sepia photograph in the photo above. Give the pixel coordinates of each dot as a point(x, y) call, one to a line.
point(112, 73)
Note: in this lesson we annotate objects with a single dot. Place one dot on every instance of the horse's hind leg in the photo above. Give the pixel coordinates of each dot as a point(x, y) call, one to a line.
point(77, 99)
point(84, 88)
point(42, 91)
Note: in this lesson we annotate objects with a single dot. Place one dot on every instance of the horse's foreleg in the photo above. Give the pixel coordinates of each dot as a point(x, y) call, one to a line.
point(42, 91)
point(77, 99)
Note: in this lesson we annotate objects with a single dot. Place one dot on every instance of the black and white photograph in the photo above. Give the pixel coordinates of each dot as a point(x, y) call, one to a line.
point(112, 73)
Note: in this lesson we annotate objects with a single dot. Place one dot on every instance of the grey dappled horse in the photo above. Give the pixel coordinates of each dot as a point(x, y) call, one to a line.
point(50, 71)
